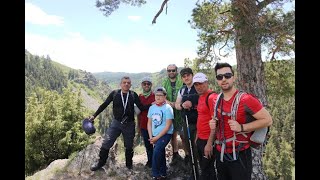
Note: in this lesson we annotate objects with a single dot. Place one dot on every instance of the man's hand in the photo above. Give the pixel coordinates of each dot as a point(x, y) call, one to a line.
point(187, 105)
point(208, 151)
point(234, 125)
point(91, 118)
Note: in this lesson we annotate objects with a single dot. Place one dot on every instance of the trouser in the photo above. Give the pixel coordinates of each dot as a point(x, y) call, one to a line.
point(206, 165)
point(148, 146)
point(128, 132)
point(115, 129)
point(159, 167)
point(239, 169)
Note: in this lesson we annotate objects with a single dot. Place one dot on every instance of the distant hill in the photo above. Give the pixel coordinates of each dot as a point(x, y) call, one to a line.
point(113, 78)
point(45, 73)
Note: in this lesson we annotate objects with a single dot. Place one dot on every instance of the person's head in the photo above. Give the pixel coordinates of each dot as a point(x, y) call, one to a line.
point(200, 82)
point(186, 75)
point(224, 76)
point(160, 94)
point(172, 71)
point(125, 83)
point(146, 84)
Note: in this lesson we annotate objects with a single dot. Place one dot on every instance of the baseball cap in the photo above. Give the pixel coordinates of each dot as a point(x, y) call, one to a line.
point(200, 78)
point(186, 71)
point(160, 89)
point(146, 79)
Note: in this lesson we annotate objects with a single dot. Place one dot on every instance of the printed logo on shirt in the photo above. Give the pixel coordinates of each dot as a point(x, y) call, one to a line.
point(157, 119)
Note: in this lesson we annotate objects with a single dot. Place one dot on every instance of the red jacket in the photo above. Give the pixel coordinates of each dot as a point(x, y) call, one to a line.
point(142, 117)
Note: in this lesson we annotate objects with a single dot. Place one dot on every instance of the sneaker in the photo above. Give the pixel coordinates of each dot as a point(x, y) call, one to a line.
point(163, 177)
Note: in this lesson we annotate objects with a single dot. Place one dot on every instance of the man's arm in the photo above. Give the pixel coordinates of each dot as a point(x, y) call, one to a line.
point(263, 119)
point(178, 104)
point(139, 104)
point(103, 105)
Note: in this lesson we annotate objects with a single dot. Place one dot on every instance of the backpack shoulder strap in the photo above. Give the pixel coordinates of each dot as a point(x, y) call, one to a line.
point(207, 98)
point(115, 92)
point(183, 89)
point(215, 110)
point(235, 104)
point(132, 94)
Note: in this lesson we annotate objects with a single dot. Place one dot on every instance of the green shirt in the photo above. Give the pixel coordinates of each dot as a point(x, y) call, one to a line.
point(172, 94)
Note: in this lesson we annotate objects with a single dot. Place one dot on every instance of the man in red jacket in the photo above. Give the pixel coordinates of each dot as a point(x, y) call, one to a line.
point(234, 127)
point(205, 111)
point(147, 97)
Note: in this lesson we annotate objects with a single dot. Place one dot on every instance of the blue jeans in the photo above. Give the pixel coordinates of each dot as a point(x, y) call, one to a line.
point(149, 147)
point(159, 166)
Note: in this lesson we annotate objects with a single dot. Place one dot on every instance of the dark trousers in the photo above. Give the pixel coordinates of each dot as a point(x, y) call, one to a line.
point(149, 147)
point(115, 129)
point(208, 171)
point(239, 169)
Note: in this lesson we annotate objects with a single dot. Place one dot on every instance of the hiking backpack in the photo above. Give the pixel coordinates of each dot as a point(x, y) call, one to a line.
point(258, 136)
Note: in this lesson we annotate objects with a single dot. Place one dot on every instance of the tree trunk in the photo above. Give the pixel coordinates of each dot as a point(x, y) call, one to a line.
point(250, 68)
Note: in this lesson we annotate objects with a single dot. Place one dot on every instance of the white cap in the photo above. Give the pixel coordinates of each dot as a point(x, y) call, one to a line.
point(200, 78)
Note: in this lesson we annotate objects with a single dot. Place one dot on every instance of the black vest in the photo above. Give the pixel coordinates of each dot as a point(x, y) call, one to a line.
point(193, 97)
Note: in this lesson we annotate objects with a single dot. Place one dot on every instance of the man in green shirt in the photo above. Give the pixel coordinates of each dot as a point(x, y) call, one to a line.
point(172, 84)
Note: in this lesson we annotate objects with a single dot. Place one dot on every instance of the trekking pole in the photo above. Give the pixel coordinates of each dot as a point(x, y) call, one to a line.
point(191, 151)
point(83, 156)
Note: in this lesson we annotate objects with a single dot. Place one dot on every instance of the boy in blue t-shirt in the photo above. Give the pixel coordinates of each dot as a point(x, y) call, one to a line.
point(160, 129)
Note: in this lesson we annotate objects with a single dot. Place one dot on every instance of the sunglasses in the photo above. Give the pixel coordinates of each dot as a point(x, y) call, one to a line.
point(226, 75)
point(146, 83)
point(171, 70)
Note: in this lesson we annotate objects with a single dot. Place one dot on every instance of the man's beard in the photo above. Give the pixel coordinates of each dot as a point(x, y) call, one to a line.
point(173, 77)
point(228, 88)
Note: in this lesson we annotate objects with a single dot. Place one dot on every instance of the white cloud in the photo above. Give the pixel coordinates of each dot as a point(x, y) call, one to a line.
point(35, 15)
point(106, 54)
point(134, 18)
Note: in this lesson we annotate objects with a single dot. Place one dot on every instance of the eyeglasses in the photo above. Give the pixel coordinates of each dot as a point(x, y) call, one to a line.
point(159, 95)
point(226, 75)
point(146, 83)
point(171, 70)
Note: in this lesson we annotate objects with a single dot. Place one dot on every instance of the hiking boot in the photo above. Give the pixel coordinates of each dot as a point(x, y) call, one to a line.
point(149, 164)
point(175, 158)
point(103, 156)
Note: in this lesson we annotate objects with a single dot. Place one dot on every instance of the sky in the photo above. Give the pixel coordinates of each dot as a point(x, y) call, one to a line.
point(77, 34)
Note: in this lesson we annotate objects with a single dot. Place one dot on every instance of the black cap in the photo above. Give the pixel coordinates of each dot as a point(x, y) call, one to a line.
point(160, 89)
point(186, 71)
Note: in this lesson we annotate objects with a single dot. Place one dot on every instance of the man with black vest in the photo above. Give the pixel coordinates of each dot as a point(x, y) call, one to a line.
point(122, 122)
point(187, 101)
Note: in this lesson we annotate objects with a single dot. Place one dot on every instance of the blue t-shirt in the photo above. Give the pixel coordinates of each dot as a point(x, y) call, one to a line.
point(159, 116)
